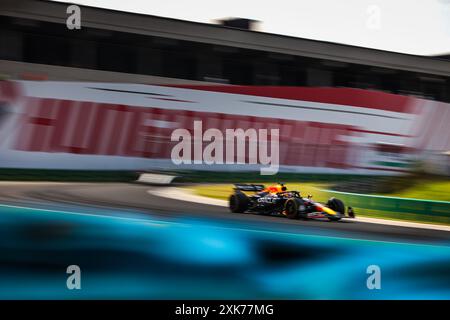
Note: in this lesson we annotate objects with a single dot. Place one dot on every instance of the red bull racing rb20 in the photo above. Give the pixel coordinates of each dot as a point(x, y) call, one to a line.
point(277, 200)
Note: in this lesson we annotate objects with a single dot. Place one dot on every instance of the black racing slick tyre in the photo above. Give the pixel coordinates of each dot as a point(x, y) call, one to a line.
point(238, 202)
point(336, 205)
point(291, 208)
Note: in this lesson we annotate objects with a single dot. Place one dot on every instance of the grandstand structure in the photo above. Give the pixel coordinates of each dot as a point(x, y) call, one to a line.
point(115, 46)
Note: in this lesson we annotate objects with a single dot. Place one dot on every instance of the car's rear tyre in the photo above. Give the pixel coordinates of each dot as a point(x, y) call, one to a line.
point(336, 205)
point(238, 202)
point(291, 208)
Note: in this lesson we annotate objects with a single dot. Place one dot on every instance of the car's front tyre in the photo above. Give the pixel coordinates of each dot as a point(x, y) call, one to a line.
point(338, 206)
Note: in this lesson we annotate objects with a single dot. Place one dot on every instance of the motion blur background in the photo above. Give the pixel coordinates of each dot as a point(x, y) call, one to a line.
point(363, 112)
point(337, 106)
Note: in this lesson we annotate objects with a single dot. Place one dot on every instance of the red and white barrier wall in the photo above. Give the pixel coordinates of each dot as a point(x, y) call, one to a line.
point(75, 125)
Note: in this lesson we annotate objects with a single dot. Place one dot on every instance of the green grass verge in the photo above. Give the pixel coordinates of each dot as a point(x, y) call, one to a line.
point(249, 177)
point(427, 189)
point(222, 191)
point(67, 175)
point(183, 176)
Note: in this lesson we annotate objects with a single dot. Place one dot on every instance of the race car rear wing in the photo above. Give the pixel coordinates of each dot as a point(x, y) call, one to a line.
point(249, 187)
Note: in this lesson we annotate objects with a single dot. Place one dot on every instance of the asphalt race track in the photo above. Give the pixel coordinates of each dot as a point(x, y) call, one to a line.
point(101, 198)
point(130, 244)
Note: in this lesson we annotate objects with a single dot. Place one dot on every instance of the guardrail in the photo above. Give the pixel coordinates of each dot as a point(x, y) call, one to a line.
point(394, 204)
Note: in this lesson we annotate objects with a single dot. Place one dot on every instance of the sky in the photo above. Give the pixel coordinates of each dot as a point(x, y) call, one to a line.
point(409, 26)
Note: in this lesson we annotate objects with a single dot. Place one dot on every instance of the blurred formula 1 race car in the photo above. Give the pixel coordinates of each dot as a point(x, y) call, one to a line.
point(277, 200)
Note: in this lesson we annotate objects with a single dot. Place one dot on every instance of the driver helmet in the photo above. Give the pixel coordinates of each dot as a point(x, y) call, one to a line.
point(276, 188)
